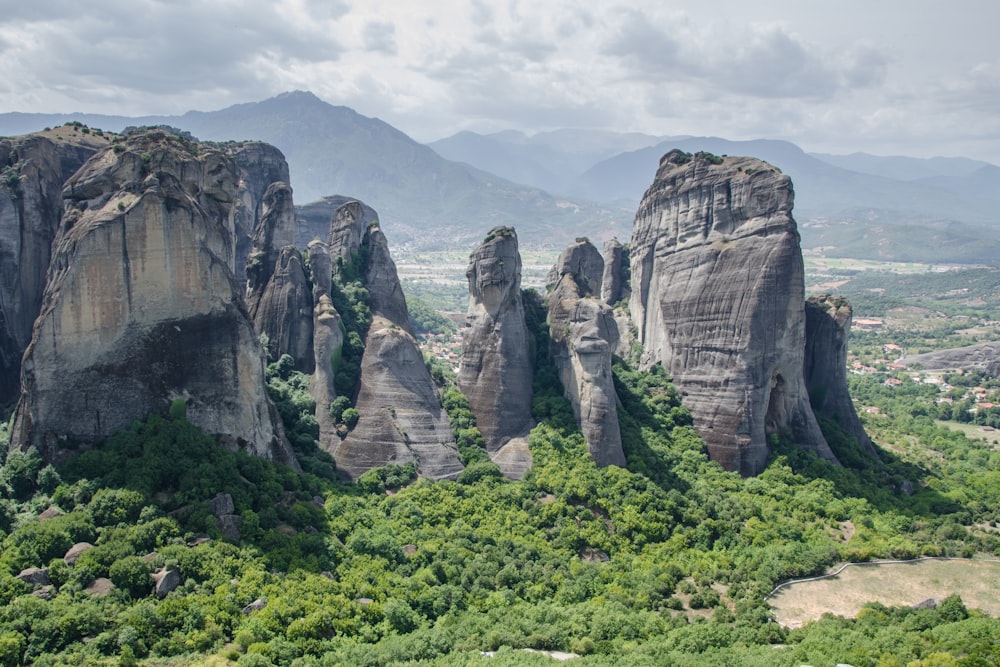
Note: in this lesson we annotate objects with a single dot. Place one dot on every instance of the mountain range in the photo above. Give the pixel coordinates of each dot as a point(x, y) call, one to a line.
point(555, 186)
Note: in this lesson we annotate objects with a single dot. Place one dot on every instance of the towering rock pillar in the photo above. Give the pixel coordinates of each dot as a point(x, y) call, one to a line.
point(401, 418)
point(717, 296)
point(496, 372)
point(278, 295)
point(328, 339)
point(828, 327)
point(614, 285)
point(141, 307)
point(33, 169)
point(584, 336)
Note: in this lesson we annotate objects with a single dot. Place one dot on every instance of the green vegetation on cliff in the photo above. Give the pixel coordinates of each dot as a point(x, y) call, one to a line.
point(666, 563)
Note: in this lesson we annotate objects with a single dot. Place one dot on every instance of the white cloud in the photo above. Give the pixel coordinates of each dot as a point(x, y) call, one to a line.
point(854, 74)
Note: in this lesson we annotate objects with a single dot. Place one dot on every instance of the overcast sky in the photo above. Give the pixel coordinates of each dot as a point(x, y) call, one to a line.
point(911, 77)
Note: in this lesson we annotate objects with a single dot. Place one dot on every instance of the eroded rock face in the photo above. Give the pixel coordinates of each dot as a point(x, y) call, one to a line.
point(328, 339)
point(259, 166)
point(614, 285)
point(278, 294)
point(718, 299)
point(584, 336)
point(496, 371)
point(141, 306)
point(401, 418)
point(33, 169)
point(828, 327)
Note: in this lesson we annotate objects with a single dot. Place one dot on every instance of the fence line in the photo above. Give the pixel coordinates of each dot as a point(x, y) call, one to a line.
point(873, 562)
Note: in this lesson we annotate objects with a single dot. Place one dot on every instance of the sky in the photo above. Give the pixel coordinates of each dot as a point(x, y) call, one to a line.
point(889, 77)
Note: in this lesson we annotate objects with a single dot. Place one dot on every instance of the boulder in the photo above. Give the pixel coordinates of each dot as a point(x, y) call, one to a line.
point(76, 551)
point(142, 309)
point(35, 576)
point(496, 372)
point(584, 336)
point(718, 299)
point(221, 504)
point(99, 587)
point(165, 580)
point(256, 605)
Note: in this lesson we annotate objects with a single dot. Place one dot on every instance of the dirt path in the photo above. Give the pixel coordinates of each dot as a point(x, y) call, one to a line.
point(978, 582)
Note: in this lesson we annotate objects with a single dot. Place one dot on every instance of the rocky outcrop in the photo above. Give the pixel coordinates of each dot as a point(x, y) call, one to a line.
point(828, 327)
point(584, 336)
point(401, 418)
point(33, 169)
point(496, 372)
point(328, 339)
point(259, 166)
point(278, 294)
point(718, 299)
point(614, 284)
point(313, 219)
point(978, 357)
point(141, 307)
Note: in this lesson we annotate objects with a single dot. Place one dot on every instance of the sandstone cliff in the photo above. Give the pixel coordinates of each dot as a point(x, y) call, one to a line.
point(141, 306)
point(401, 418)
point(614, 284)
point(584, 336)
point(33, 169)
point(260, 165)
point(278, 295)
point(828, 327)
point(496, 372)
point(718, 299)
point(328, 339)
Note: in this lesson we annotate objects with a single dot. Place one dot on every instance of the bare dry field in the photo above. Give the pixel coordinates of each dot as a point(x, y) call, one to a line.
point(978, 582)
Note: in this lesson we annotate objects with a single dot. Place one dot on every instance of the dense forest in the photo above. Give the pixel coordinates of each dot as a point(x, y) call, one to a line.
point(667, 562)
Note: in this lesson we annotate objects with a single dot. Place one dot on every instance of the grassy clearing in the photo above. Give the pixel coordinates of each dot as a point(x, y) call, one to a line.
point(972, 431)
point(978, 582)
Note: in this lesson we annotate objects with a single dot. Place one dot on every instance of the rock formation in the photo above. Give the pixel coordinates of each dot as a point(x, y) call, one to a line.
point(614, 284)
point(141, 307)
point(584, 336)
point(718, 299)
point(328, 339)
point(828, 326)
point(401, 418)
point(313, 219)
point(260, 165)
point(978, 357)
point(496, 371)
point(278, 295)
point(33, 169)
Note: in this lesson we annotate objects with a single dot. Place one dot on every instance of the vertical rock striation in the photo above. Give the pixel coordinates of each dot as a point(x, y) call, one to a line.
point(828, 326)
point(328, 339)
point(141, 307)
point(717, 297)
point(614, 284)
point(401, 418)
point(584, 336)
point(496, 372)
point(278, 295)
point(260, 165)
point(33, 169)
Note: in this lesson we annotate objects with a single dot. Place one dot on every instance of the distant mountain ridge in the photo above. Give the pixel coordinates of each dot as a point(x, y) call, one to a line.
point(425, 201)
point(559, 185)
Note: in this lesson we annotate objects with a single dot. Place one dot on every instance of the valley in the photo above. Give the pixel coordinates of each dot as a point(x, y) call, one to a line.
point(573, 471)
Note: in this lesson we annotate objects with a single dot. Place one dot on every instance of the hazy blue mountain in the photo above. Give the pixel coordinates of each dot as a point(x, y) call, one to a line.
point(423, 199)
point(904, 168)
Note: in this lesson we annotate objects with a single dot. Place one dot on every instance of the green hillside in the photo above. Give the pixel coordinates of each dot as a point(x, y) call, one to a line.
point(668, 562)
